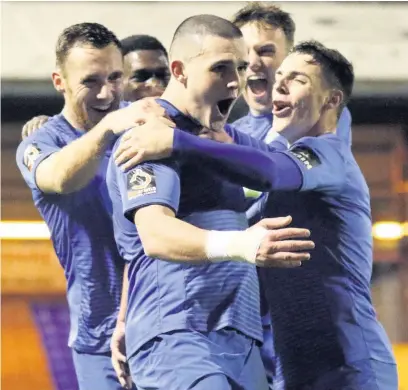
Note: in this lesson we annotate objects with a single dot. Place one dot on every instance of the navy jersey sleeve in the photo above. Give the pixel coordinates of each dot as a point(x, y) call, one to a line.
point(254, 165)
point(321, 162)
point(32, 151)
point(149, 184)
point(274, 169)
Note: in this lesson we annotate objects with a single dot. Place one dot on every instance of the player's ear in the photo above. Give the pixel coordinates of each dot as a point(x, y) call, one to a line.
point(58, 80)
point(178, 71)
point(335, 99)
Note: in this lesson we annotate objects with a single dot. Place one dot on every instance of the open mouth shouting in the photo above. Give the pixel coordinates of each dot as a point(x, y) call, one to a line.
point(225, 105)
point(258, 84)
point(281, 108)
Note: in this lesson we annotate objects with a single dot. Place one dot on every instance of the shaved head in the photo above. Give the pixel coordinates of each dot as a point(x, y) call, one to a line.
point(208, 60)
point(188, 39)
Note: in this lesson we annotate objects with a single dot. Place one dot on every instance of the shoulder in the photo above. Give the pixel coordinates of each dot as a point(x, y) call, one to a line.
point(241, 122)
point(326, 143)
point(52, 130)
point(327, 151)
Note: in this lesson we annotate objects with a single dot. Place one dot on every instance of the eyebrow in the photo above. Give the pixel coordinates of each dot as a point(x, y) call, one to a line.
point(295, 73)
point(117, 73)
point(90, 76)
point(151, 69)
point(265, 45)
point(229, 62)
point(222, 62)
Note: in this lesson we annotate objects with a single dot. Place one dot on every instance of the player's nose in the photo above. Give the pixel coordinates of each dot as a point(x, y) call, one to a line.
point(280, 87)
point(235, 80)
point(105, 92)
point(255, 62)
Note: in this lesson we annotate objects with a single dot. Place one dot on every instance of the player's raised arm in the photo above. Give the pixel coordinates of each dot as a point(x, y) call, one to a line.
point(150, 195)
point(70, 168)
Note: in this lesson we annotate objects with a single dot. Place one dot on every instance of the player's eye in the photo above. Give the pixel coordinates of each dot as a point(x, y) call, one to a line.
point(115, 77)
point(242, 68)
point(89, 81)
point(300, 80)
point(219, 68)
point(267, 51)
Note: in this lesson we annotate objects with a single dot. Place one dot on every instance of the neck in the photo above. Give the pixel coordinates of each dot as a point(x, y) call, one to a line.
point(263, 111)
point(327, 123)
point(174, 95)
point(71, 118)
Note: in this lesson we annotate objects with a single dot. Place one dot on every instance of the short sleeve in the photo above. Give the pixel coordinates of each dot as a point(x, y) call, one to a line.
point(321, 162)
point(32, 151)
point(149, 184)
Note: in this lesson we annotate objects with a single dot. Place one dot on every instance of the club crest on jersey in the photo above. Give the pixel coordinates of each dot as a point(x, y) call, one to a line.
point(306, 156)
point(31, 153)
point(140, 181)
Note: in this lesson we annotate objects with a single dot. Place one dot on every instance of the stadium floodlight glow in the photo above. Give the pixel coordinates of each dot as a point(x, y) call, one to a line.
point(30, 230)
point(389, 230)
point(24, 230)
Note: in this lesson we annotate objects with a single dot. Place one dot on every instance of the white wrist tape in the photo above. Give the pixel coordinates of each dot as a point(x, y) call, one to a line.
point(234, 245)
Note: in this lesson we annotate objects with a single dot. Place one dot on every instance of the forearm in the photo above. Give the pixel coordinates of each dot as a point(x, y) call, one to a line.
point(75, 165)
point(168, 238)
point(165, 237)
point(247, 166)
point(124, 297)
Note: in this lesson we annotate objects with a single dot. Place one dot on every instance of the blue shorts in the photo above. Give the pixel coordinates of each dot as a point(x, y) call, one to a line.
point(366, 374)
point(95, 371)
point(191, 360)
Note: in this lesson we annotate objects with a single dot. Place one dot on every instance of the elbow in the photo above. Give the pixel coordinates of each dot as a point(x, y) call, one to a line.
point(60, 187)
point(153, 247)
point(63, 186)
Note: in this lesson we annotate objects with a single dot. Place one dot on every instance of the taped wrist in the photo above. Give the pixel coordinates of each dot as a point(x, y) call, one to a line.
point(234, 245)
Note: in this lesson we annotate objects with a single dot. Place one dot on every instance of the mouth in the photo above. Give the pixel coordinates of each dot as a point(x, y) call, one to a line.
point(257, 84)
point(225, 105)
point(281, 109)
point(103, 108)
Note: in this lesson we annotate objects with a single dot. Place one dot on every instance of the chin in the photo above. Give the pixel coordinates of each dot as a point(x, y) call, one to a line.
point(260, 106)
point(217, 125)
point(279, 125)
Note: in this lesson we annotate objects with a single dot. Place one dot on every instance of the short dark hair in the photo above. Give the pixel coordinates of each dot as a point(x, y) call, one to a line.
point(207, 25)
point(266, 14)
point(141, 42)
point(337, 70)
point(93, 34)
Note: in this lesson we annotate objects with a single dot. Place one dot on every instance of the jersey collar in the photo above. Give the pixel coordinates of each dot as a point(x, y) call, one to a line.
point(182, 121)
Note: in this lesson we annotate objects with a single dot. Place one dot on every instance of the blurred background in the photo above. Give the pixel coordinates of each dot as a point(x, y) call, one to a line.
point(373, 35)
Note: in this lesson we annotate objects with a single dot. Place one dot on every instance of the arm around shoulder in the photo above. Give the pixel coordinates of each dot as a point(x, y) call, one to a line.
point(72, 167)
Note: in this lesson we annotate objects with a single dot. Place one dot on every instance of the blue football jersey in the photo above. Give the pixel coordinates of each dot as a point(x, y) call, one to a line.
point(322, 313)
point(82, 234)
point(165, 296)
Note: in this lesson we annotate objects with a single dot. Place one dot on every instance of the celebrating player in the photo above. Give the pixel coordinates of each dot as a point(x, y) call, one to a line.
point(194, 326)
point(64, 164)
point(326, 334)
